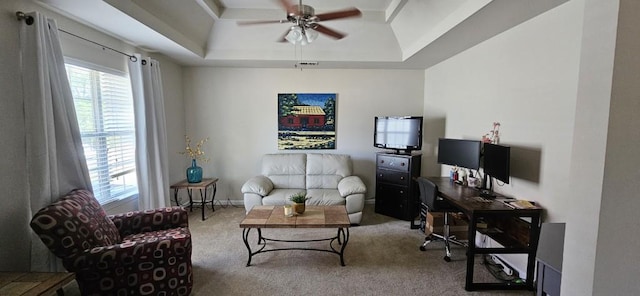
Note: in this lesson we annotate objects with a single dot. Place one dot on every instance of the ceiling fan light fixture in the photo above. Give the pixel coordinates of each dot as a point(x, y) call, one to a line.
point(306, 27)
point(310, 35)
point(297, 35)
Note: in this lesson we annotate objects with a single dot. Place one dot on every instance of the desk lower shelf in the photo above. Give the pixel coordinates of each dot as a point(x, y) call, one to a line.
point(504, 239)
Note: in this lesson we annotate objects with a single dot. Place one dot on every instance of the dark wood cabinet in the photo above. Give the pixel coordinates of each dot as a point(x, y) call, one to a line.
point(396, 190)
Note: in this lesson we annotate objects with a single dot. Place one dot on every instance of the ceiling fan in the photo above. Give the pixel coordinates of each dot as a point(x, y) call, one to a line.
point(306, 25)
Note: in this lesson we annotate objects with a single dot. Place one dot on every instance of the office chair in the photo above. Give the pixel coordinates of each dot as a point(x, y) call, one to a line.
point(433, 203)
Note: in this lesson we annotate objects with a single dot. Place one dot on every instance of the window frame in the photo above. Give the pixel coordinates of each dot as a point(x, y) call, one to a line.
point(111, 202)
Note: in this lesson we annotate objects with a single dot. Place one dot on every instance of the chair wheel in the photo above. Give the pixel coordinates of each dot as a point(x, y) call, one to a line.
point(423, 248)
point(447, 258)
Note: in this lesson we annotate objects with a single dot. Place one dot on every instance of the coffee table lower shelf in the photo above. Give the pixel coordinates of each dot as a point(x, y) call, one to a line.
point(342, 238)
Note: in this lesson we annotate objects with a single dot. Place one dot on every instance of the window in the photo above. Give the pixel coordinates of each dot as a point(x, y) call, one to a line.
point(104, 107)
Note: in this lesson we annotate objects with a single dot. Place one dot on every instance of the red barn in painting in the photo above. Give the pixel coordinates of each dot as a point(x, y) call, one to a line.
point(303, 118)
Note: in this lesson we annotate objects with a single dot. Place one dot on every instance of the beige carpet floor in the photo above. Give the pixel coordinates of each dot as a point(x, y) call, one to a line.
point(382, 257)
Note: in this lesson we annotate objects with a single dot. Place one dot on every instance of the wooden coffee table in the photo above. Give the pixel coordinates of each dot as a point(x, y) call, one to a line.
point(314, 217)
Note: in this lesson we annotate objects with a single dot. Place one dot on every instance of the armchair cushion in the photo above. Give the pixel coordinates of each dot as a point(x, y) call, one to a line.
point(143, 264)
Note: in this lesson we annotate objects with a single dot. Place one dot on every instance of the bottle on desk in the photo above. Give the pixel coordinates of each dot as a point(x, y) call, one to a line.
point(463, 177)
point(472, 180)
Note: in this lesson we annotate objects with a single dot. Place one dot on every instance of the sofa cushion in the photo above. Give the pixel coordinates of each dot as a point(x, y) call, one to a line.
point(324, 171)
point(279, 196)
point(74, 223)
point(324, 197)
point(285, 170)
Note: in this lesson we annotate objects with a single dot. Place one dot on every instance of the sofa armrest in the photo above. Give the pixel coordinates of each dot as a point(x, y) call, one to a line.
point(260, 185)
point(150, 220)
point(351, 185)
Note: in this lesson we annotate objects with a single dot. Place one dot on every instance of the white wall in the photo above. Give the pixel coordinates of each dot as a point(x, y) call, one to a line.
point(14, 214)
point(617, 256)
point(553, 85)
point(237, 110)
point(589, 146)
point(526, 79)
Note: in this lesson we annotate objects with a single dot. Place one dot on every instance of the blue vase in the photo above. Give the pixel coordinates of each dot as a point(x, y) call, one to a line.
point(194, 173)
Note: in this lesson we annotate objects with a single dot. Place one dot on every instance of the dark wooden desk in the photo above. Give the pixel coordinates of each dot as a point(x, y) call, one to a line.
point(202, 186)
point(519, 230)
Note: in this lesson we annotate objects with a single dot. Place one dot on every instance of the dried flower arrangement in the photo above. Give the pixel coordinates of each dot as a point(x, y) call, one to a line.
point(197, 152)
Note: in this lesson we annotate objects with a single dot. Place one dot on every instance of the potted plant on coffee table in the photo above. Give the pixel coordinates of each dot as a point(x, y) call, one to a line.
point(298, 201)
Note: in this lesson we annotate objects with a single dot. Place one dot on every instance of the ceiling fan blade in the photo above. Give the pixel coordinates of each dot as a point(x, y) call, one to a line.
point(350, 12)
point(324, 30)
point(289, 7)
point(243, 23)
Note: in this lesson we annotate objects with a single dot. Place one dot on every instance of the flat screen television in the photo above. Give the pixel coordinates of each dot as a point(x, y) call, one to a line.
point(400, 133)
point(496, 161)
point(461, 153)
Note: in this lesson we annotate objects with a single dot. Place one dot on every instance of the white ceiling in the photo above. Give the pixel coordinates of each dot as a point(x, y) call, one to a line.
point(409, 34)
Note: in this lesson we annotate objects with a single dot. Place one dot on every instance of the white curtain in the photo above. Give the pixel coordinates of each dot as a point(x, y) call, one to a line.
point(151, 133)
point(54, 154)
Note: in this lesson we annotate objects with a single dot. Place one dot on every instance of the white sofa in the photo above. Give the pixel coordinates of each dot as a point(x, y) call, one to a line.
point(325, 178)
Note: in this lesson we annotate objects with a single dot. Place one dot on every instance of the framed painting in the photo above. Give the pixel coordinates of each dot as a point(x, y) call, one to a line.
point(306, 121)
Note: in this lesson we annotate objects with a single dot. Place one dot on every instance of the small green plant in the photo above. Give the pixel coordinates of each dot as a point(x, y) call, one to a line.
point(298, 197)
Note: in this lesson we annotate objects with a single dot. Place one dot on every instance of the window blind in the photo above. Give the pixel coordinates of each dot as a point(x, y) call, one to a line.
point(104, 107)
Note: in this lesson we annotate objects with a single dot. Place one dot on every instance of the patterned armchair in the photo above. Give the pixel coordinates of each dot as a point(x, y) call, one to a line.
point(136, 253)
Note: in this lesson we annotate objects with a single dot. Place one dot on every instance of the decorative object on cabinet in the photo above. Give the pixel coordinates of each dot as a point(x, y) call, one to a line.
point(306, 121)
point(396, 190)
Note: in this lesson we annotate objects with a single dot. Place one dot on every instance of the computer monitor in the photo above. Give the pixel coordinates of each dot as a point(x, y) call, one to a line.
point(496, 161)
point(461, 153)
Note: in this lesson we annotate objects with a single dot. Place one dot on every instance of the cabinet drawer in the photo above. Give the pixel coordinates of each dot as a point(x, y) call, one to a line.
point(394, 177)
point(393, 192)
point(393, 201)
point(393, 163)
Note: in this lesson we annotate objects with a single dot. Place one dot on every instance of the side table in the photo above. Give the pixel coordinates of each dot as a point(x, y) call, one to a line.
point(34, 283)
point(202, 186)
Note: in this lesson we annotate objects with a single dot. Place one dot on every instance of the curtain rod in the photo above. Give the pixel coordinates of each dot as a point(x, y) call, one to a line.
point(29, 21)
